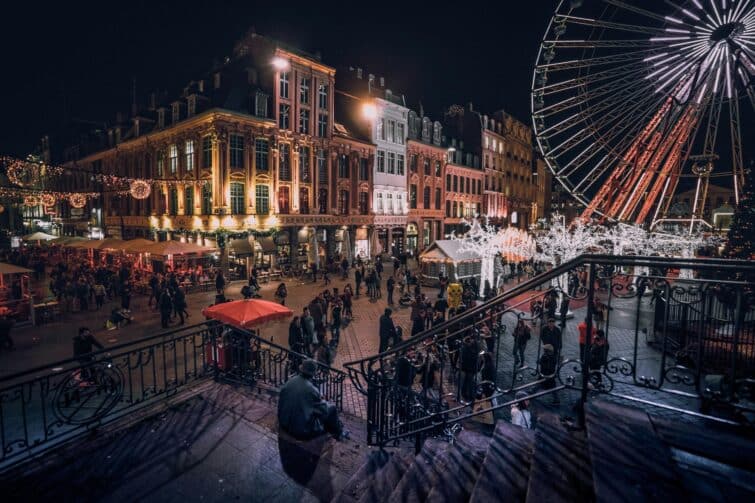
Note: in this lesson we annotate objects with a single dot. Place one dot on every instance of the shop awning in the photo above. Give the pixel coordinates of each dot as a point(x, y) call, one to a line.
point(241, 248)
point(267, 244)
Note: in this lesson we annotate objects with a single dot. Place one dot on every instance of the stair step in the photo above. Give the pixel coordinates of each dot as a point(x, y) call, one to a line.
point(629, 462)
point(474, 441)
point(560, 471)
point(422, 474)
point(364, 476)
point(505, 469)
point(459, 476)
point(386, 479)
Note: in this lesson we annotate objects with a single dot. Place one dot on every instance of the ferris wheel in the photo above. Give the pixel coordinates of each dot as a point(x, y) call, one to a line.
point(634, 100)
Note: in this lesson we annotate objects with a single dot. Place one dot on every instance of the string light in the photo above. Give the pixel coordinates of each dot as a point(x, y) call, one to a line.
point(77, 200)
point(140, 189)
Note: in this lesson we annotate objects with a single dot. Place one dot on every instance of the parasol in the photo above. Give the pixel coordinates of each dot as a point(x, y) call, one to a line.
point(246, 313)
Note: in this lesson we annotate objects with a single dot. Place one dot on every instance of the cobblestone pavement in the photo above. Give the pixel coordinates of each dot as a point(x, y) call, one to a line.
point(46, 344)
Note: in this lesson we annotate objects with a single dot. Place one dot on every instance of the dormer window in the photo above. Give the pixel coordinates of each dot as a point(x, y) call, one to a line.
point(161, 118)
point(260, 105)
point(192, 106)
point(176, 112)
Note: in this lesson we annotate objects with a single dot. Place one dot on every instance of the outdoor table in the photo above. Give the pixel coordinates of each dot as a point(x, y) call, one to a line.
point(45, 311)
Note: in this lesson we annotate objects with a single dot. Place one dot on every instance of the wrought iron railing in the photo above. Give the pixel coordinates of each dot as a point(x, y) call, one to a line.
point(680, 336)
point(45, 407)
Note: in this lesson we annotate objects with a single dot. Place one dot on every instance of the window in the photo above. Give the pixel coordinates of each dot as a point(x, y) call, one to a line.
point(437, 168)
point(413, 163)
point(479, 186)
point(322, 167)
point(381, 161)
point(176, 112)
point(322, 94)
point(322, 125)
point(343, 202)
point(426, 166)
point(173, 201)
point(381, 129)
point(283, 84)
point(364, 205)
point(189, 200)
point(160, 164)
point(448, 182)
point(207, 199)
point(237, 151)
point(304, 200)
point(173, 158)
point(304, 121)
point(391, 133)
point(343, 166)
point(238, 207)
point(189, 151)
point(426, 198)
point(456, 183)
point(413, 196)
point(380, 202)
point(400, 134)
point(161, 118)
point(389, 203)
point(284, 200)
point(391, 163)
point(260, 105)
point(364, 169)
point(262, 202)
point(261, 155)
point(284, 171)
point(469, 189)
point(207, 152)
point(455, 210)
point(322, 200)
point(304, 86)
point(283, 120)
point(437, 199)
point(448, 209)
point(192, 100)
point(400, 164)
point(305, 174)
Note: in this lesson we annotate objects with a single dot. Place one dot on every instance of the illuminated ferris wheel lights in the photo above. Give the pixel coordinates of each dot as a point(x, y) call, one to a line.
point(699, 5)
point(657, 56)
point(668, 39)
point(674, 20)
point(691, 14)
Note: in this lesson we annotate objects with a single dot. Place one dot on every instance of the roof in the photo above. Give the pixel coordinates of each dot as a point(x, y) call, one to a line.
point(448, 249)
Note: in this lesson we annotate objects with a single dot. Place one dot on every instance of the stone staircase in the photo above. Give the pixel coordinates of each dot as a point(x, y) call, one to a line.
point(623, 455)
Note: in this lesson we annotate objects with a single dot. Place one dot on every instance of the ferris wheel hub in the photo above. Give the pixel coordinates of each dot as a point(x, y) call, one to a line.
point(726, 32)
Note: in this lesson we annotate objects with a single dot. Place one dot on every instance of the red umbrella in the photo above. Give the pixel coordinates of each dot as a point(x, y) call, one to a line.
point(245, 313)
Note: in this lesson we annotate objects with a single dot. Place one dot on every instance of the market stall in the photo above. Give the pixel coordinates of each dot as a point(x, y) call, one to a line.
point(445, 257)
point(15, 295)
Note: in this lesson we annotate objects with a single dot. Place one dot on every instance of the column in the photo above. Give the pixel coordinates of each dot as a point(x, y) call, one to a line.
point(217, 174)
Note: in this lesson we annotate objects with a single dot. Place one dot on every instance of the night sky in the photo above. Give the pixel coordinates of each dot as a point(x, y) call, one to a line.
point(76, 60)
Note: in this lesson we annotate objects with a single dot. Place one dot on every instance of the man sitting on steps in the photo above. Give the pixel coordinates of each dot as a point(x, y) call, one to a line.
point(302, 412)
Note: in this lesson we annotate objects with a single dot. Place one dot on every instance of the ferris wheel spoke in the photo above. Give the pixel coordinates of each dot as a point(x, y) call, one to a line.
point(598, 44)
point(578, 82)
point(736, 147)
point(636, 10)
point(613, 59)
point(598, 23)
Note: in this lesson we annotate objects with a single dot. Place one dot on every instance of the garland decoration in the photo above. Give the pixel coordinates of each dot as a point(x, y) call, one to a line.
point(31, 201)
point(140, 189)
point(77, 200)
point(47, 200)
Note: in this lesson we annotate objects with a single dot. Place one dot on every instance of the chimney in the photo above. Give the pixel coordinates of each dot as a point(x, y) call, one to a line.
point(359, 73)
point(382, 81)
point(200, 86)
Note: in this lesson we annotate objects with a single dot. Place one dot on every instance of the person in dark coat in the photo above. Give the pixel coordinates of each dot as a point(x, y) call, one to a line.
point(357, 281)
point(551, 334)
point(308, 331)
point(302, 411)
point(6, 325)
point(83, 345)
point(179, 304)
point(522, 334)
point(548, 365)
point(469, 366)
point(387, 330)
point(390, 285)
point(166, 306)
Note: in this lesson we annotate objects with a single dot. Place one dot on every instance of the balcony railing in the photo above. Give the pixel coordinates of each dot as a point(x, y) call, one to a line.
point(680, 338)
point(42, 408)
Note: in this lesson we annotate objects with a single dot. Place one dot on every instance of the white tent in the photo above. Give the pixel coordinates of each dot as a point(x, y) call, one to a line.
point(39, 236)
point(445, 257)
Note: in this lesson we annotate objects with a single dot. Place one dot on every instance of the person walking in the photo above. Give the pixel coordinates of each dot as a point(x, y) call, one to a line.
point(469, 361)
point(326, 276)
point(378, 267)
point(166, 306)
point(99, 294)
point(281, 293)
point(390, 286)
point(520, 414)
point(387, 330)
point(179, 304)
point(308, 330)
point(336, 320)
point(345, 268)
point(551, 335)
point(357, 281)
point(313, 267)
point(548, 365)
point(83, 346)
point(295, 335)
point(522, 334)
point(126, 295)
point(220, 283)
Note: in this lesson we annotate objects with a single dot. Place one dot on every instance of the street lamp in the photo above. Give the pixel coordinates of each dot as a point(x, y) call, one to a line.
point(369, 111)
point(280, 64)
